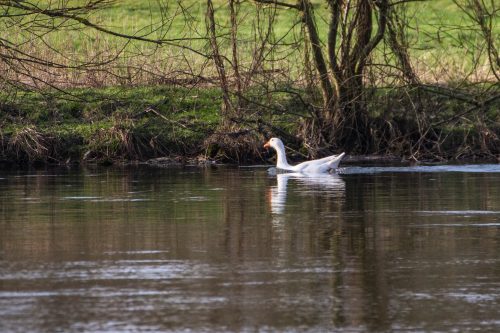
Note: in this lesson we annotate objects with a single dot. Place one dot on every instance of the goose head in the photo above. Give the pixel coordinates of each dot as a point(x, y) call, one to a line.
point(278, 145)
point(275, 143)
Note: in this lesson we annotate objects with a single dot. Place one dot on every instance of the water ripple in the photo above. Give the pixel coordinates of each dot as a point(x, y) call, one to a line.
point(475, 168)
point(458, 212)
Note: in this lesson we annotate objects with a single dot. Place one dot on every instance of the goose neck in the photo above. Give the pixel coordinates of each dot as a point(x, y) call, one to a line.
point(281, 158)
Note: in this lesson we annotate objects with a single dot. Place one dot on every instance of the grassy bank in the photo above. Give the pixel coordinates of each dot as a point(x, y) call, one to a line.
point(107, 124)
point(110, 125)
point(123, 124)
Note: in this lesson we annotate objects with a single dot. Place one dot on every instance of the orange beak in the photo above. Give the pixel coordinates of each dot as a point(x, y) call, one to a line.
point(267, 145)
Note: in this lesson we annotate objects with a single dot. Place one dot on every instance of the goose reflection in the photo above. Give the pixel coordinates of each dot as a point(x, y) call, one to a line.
point(329, 184)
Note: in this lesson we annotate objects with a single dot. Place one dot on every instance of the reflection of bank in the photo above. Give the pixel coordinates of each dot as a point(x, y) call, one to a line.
point(328, 183)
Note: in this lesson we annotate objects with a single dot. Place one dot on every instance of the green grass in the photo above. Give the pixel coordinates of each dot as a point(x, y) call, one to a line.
point(109, 124)
point(439, 28)
point(130, 123)
point(112, 122)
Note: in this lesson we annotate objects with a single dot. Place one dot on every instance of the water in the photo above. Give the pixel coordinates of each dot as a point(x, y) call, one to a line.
point(244, 250)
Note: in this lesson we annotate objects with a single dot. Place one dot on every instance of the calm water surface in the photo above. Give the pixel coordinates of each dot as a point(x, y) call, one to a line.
point(215, 250)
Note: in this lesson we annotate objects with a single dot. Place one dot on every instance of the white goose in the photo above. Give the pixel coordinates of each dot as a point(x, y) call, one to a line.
point(321, 165)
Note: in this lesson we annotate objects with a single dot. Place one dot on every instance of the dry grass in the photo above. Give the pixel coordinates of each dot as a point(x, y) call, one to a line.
point(115, 61)
point(28, 143)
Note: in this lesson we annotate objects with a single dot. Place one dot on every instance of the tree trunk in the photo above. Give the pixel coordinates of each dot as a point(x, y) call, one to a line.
point(351, 121)
point(397, 41)
point(319, 61)
point(235, 62)
point(218, 61)
point(343, 120)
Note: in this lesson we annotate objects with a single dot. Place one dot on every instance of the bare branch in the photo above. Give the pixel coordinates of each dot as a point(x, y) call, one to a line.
point(278, 3)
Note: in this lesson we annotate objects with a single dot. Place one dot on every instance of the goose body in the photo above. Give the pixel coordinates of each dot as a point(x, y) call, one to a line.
point(322, 165)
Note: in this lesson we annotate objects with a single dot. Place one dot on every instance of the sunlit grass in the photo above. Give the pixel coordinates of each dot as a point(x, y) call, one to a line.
point(442, 43)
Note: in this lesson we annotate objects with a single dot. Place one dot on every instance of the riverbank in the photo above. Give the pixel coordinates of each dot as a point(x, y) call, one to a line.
point(106, 125)
point(137, 124)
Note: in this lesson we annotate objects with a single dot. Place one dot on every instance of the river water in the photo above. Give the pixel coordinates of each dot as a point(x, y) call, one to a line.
point(245, 250)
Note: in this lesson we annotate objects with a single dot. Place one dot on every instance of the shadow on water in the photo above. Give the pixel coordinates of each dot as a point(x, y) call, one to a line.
point(141, 249)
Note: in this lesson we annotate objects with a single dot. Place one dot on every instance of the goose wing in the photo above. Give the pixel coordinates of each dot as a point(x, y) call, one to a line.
point(321, 165)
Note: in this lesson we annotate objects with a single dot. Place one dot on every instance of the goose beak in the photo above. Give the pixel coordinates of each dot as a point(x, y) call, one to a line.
point(267, 145)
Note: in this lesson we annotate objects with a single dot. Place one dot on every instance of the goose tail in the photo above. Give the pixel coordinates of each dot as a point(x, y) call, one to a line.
point(334, 163)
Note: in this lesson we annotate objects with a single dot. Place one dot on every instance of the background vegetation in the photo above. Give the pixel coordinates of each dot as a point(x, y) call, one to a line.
point(101, 80)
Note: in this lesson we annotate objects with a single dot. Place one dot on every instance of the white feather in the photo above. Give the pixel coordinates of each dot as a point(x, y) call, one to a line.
point(322, 165)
